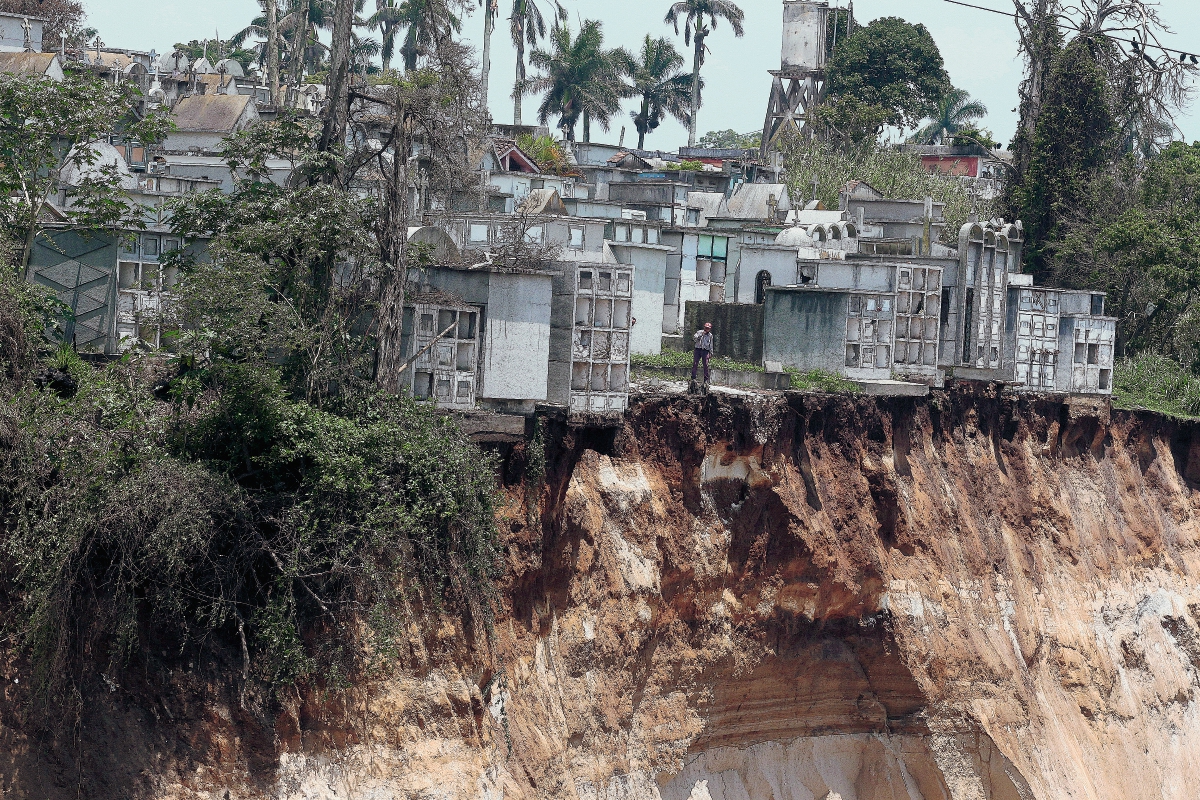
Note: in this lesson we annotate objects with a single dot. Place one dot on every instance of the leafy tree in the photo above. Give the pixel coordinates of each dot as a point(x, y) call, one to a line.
point(887, 73)
point(955, 114)
point(547, 152)
point(49, 129)
point(1075, 140)
point(1149, 82)
point(895, 173)
point(527, 25)
point(700, 18)
point(973, 135)
point(1134, 231)
point(731, 140)
point(261, 492)
point(663, 89)
point(581, 80)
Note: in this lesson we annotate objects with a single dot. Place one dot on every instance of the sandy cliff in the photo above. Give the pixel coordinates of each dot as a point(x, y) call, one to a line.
point(776, 598)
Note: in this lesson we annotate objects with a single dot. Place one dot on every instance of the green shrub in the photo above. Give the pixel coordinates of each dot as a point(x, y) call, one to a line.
point(819, 380)
point(128, 523)
point(28, 317)
point(1157, 383)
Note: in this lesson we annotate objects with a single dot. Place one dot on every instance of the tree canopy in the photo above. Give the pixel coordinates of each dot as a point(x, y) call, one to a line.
point(51, 128)
point(656, 79)
point(580, 80)
point(887, 73)
point(956, 113)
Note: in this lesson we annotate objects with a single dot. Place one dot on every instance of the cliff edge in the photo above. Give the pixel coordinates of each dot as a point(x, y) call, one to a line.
point(790, 597)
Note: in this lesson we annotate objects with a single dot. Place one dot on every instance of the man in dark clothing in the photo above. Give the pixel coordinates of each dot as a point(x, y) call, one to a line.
point(703, 339)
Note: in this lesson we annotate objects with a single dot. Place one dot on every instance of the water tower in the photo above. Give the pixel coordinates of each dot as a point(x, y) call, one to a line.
point(798, 86)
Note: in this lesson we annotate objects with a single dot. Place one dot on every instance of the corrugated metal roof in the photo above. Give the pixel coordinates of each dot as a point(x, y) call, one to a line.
point(750, 201)
point(25, 63)
point(118, 60)
point(210, 112)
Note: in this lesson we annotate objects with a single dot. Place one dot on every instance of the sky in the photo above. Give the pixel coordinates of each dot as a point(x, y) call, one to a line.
point(980, 51)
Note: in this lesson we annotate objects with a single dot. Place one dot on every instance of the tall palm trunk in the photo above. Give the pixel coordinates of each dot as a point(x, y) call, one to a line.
point(388, 34)
point(695, 107)
point(338, 83)
point(273, 49)
point(489, 26)
point(587, 127)
point(641, 127)
point(298, 51)
point(519, 86)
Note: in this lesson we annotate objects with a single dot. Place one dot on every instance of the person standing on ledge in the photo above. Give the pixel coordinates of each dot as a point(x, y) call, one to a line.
point(704, 348)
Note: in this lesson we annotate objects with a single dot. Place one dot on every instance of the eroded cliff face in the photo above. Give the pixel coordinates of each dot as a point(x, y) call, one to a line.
point(968, 596)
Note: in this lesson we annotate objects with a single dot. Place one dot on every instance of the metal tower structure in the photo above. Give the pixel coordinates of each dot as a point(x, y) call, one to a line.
point(798, 86)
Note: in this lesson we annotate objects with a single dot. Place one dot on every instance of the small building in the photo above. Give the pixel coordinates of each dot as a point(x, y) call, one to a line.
point(590, 328)
point(116, 285)
point(507, 339)
point(636, 244)
point(203, 121)
point(478, 336)
point(866, 321)
point(989, 260)
point(31, 65)
point(1059, 340)
point(895, 225)
point(760, 202)
point(20, 33)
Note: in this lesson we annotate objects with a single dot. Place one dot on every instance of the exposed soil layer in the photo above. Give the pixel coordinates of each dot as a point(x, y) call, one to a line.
point(972, 596)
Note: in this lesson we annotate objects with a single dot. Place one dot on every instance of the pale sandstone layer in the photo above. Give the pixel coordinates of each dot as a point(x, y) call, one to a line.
point(965, 597)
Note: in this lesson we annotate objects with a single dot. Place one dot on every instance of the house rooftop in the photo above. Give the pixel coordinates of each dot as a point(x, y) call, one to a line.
point(26, 64)
point(210, 112)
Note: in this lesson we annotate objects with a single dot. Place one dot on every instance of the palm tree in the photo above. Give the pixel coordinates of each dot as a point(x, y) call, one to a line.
point(663, 88)
point(388, 16)
point(700, 20)
point(581, 79)
point(528, 25)
point(423, 22)
point(296, 32)
point(362, 51)
point(955, 112)
point(490, 9)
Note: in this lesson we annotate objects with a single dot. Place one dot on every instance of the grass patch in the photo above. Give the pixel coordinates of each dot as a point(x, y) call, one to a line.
point(1156, 383)
point(677, 359)
point(819, 380)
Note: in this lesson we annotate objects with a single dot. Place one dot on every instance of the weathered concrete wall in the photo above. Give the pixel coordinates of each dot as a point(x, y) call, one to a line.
point(516, 345)
point(649, 285)
point(862, 277)
point(470, 287)
point(194, 140)
point(752, 260)
point(562, 327)
point(737, 329)
point(805, 329)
